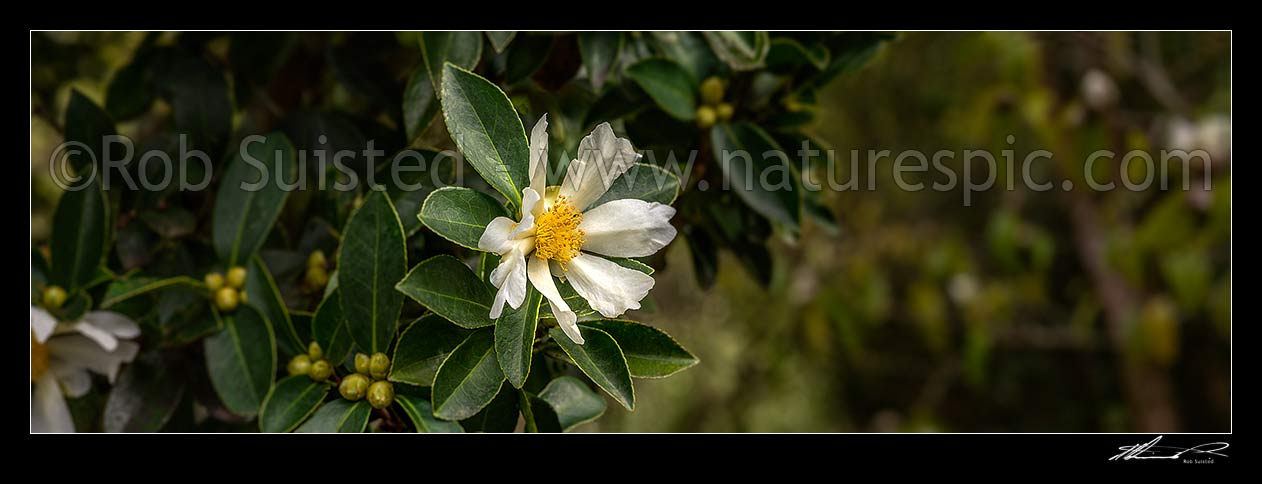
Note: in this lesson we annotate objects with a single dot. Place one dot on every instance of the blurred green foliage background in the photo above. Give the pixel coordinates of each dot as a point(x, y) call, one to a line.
point(1047, 311)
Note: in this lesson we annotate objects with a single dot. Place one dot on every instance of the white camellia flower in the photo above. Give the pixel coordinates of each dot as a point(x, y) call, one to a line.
point(63, 353)
point(560, 233)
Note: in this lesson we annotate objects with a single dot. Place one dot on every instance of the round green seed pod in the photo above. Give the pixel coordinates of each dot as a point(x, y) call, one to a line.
point(381, 394)
point(236, 277)
point(299, 365)
point(314, 351)
point(712, 91)
point(54, 297)
point(321, 370)
point(213, 281)
point(227, 299)
point(706, 117)
point(362, 364)
point(354, 387)
point(379, 366)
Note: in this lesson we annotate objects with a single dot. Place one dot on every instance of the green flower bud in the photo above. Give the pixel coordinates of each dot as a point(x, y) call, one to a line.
point(54, 297)
point(379, 365)
point(712, 91)
point(299, 365)
point(354, 387)
point(381, 394)
point(236, 277)
point(321, 370)
point(317, 277)
point(724, 111)
point(314, 351)
point(362, 364)
point(705, 117)
point(227, 299)
point(316, 259)
point(213, 281)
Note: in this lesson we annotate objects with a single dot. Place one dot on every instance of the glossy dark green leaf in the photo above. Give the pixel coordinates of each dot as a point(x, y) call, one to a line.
point(689, 49)
point(448, 287)
point(487, 130)
point(262, 293)
point(787, 54)
point(500, 39)
point(328, 328)
point(650, 353)
point(540, 416)
point(670, 86)
point(600, 52)
point(742, 51)
point(79, 236)
point(764, 181)
point(422, 348)
point(528, 53)
point(515, 338)
point(291, 401)
point(144, 397)
point(372, 259)
point(460, 214)
point(460, 48)
point(338, 416)
point(87, 125)
point(123, 289)
point(469, 379)
point(486, 264)
point(643, 181)
point(422, 415)
point(499, 416)
point(420, 103)
point(420, 172)
point(241, 360)
point(573, 401)
point(601, 359)
point(130, 92)
point(250, 198)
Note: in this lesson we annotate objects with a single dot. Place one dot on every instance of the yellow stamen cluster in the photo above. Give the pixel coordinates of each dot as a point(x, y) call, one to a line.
point(39, 359)
point(557, 236)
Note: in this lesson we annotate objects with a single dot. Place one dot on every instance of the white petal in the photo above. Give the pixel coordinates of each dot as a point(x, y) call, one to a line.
point(495, 238)
point(75, 381)
point(42, 324)
point(539, 157)
point(541, 278)
point(49, 412)
point(628, 228)
point(510, 278)
point(609, 288)
point(529, 203)
point(114, 323)
point(100, 336)
point(602, 158)
point(79, 351)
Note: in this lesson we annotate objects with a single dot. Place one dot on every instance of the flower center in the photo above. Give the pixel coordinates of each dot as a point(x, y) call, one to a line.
point(557, 236)
point(39, 359)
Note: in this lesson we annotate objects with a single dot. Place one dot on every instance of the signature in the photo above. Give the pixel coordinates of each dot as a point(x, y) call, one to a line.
point(1151, 450)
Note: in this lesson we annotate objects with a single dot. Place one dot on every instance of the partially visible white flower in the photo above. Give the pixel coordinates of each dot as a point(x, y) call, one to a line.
point(559, 233)
point(62, 354)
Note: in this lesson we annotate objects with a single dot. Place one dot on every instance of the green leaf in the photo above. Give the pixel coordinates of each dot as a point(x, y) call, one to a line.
point(689, 49)
point(499, 416)
point(372, 258)
point(88, 125)
point(650, 352)
point(422, 348)
point(574, 403)
point(529, 53)
point(262, 293)
point(486, 264)
point(500, 39)
point(487, 130)
point(340, 416)
point(172, 223)
point(291, 401)
point(643, 181)
point(250, 198)
point(201, 105)
point(448, 287)
point(742, 51)
point(601, 359)
point(469, 378)
point(539, 415)
point(515, 338)
point(130, 92)
point(600, 51)
point(460, 48)
point(328, 328)
point(144, 397)
point(787, 54)
point(460, 214)
point(670, 86)
point(767, 185)
point(79, 233)
point(123, 289)
point(241, 360)
point(422, 415)
point(420, 103)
